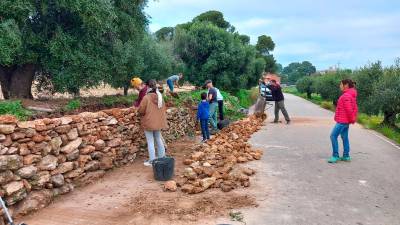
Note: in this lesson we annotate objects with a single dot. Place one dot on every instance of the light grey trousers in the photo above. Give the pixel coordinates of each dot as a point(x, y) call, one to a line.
point(152, 136)
point(281, 106)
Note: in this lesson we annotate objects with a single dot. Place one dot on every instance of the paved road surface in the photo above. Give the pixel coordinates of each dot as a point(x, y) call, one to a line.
point(301, 188)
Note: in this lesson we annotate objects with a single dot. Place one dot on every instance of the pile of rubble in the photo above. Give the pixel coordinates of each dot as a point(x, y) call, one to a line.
point(49, 157)
point(215, 164)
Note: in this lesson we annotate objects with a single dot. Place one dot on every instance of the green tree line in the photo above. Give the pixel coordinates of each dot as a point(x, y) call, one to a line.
point(378, 88)
point(78, 44)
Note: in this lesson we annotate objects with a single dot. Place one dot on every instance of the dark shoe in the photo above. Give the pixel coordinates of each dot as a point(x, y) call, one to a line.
point(288, 122)
point(275, 121)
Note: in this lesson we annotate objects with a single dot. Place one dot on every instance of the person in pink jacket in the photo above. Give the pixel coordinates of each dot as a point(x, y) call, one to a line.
point(346, 114)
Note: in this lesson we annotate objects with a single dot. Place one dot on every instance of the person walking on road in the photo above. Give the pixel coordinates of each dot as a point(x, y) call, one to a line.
point(279, 99)
point(173, 80)
point(154, 119)
point(212, 99)
point(203, 114)
point(346, 114)
point(140, 86)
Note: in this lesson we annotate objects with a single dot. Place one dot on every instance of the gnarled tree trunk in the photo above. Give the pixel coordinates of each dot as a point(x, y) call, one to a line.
point(16, 81)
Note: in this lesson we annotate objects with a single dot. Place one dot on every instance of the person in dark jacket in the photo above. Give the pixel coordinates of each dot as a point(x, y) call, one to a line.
point(279, 99)
point(203, 114)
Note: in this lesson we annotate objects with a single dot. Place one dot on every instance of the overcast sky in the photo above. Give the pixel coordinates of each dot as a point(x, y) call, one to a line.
point(325, 32)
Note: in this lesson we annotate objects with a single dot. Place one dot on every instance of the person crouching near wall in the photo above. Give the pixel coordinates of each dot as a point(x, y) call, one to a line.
point(154, 119)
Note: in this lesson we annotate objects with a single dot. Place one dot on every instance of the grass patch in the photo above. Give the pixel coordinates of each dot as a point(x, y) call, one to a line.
point(247, 97)
point(73, 105)
point(112, 100)
point(14, 108)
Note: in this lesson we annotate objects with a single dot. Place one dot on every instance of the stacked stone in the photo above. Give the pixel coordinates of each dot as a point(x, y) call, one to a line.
point(216, 164)
point(44, 158)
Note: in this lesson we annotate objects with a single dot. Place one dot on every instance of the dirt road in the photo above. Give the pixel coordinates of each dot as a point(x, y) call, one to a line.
point(130, 196)
point(302, 188)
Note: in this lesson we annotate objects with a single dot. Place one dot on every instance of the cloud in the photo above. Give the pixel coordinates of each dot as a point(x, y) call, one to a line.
point(252, 23)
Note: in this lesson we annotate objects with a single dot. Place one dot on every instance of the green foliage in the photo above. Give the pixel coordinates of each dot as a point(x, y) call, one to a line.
point(295, 71)
point(14, 108)
point(210, 52)
point(366, 78)
point(327, 85)
point(245, 39)
point(214, 17)
point(112, 100)
point(384, 93)
point(247, 97)
point(73, 105)
point(265, 44)
point(306, 85)
point(165, 34)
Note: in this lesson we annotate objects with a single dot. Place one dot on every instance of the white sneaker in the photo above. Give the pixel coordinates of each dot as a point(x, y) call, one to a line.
point(147, 163)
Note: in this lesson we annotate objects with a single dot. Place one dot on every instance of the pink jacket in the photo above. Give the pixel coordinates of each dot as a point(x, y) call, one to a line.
point(347, 109)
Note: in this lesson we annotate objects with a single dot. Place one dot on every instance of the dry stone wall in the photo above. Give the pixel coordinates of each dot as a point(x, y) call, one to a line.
point(45, 158)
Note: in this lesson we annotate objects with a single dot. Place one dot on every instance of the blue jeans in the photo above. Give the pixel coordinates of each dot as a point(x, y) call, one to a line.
point(170, 85)
point(150, 137)
point(204, 129)
point(213, 115)
point(341, 129)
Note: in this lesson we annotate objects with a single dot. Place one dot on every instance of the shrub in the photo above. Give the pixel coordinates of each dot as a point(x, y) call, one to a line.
point(327, 105)
point(305, 85)
point(73, 105)
point(14, 108)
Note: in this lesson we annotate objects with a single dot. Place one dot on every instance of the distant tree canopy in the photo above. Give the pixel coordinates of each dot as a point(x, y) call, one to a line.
point(214, 17)
point(295, 71)
point(165, 34)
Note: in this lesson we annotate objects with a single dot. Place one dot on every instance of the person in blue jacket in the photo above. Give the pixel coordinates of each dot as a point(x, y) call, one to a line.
point(203, 115)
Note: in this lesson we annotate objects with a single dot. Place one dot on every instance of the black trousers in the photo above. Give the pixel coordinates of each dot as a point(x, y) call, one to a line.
point(221, 109)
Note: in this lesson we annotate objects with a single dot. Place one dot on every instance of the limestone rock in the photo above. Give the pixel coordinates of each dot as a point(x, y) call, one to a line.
point(6, 129)
point(27, 172)
point(114, 142)
point(13, 187)
point(170, 186)
point(40, 179)
point(57, 180)
point(48, 162)
point(63, 168)
point(106, 163)
point(207, 182)
point(17, 135)
point(34, 201)
point(87, 150)
point(92, 166)
point(72, 134)
point(6, 177)
point(99, 145)
point(73, 145)
point(29, 159)
point(74, 173)
point(73, 155)
point(10, 162)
